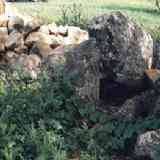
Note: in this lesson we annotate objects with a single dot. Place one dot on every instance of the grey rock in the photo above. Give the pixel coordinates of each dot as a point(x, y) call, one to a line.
point(15, 23)
point(156, 60)
point(126, 49)
point(82, 65)
point(14, 40)
point(147, 143)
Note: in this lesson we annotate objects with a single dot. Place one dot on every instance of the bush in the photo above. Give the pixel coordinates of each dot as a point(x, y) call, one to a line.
point(157, 4)
point(73, 15)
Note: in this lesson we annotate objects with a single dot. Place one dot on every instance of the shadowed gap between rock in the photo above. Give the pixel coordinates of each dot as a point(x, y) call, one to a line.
point(115, 93)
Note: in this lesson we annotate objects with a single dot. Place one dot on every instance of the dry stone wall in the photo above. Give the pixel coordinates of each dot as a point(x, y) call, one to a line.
point(30, 41)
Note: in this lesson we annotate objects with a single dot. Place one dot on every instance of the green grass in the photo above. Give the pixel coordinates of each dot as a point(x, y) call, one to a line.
point(143, 11)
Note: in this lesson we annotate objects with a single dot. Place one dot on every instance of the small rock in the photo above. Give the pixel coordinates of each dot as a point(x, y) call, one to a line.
point(147, 143)
point(3, 38)
point(37, 36)
point(11, 57)
point(31, 26)
point(2, 7)
point(152, 75)
point(14, 40)
point(76, 36)
point(27, 65)
point(56, 41)
point(3, 21)
point(32, 62)
point(58, 55)
point(21, 49)
point(58, 30)
point(41, 48)
point(15, 23)
point(44, 29)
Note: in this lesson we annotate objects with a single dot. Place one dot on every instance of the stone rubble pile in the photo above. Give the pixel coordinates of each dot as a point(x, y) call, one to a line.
point(26, 45)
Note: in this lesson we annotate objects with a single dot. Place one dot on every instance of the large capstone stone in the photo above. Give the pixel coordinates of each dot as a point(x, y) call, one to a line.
point(110, 66)
point(126, 50)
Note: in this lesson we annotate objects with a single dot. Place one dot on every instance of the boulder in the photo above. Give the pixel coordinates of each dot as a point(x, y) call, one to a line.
point(82, 66)
point(147, 143)
point(15, 23)
point(14, 40)
point(126, 50)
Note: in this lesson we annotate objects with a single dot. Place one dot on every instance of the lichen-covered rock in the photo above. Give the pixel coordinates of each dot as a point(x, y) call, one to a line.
point(147, 143)
point(126, 49)
point(82, 65)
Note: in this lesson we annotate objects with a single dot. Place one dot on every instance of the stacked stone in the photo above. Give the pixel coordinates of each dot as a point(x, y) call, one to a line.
point(25, 44)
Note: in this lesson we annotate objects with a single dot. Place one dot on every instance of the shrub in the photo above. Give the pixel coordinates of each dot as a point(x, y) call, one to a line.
point(73, 15)
point(157, 4)
point(44, 119)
